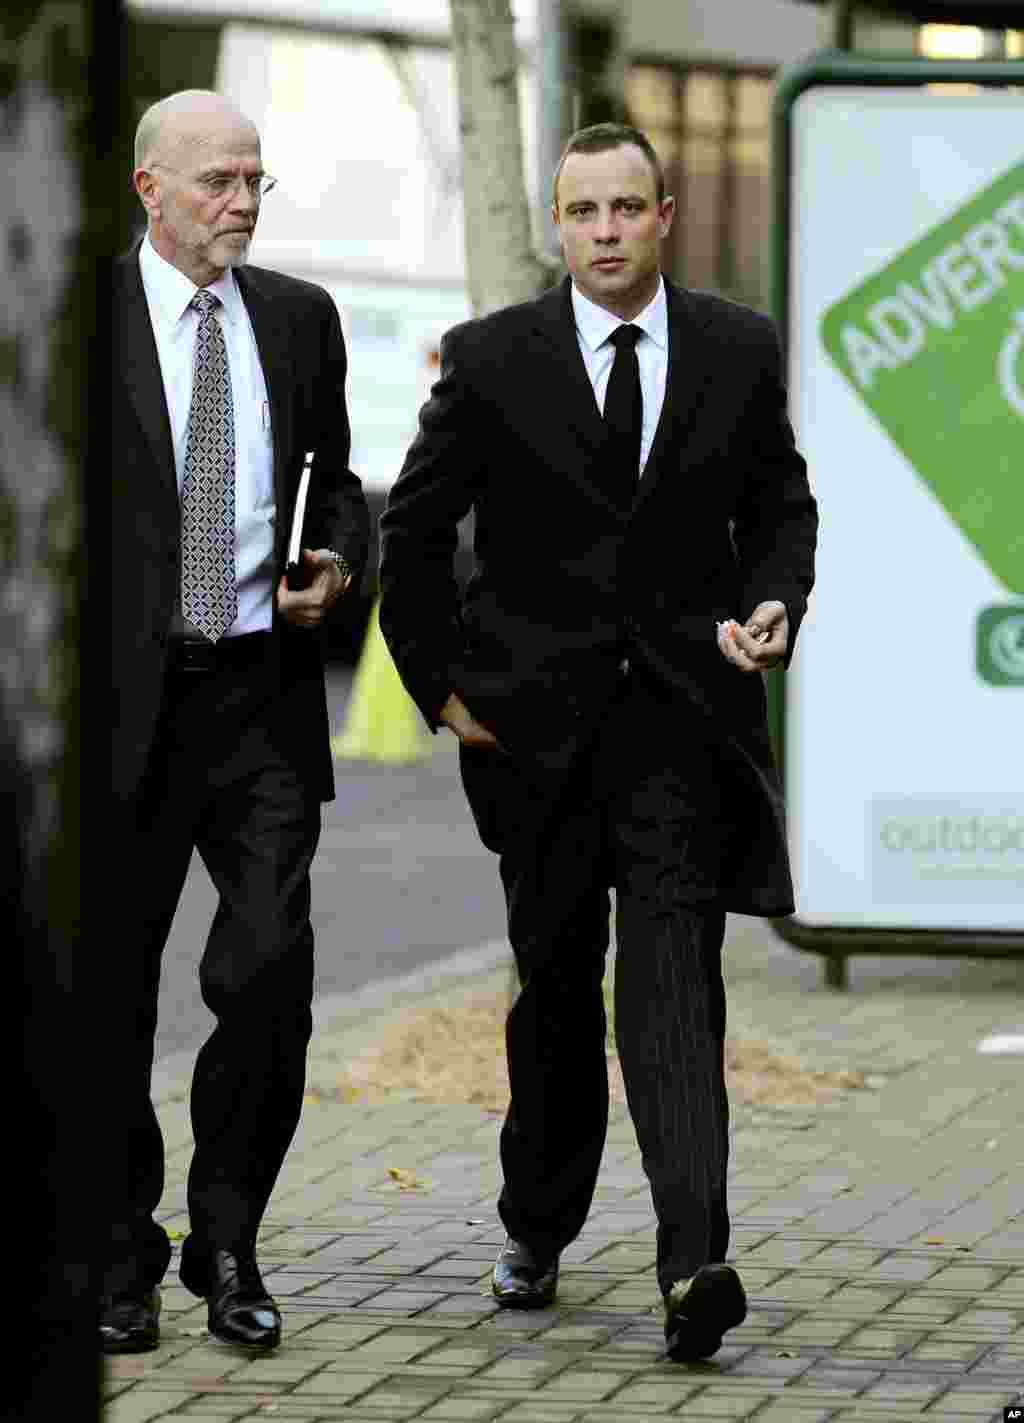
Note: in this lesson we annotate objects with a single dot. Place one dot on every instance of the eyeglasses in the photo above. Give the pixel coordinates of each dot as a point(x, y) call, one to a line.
point(220, 185)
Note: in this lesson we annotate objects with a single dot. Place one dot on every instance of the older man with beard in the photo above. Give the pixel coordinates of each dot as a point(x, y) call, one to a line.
point(225, 376)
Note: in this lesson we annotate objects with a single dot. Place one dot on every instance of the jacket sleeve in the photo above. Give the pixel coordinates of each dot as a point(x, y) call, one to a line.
point(419, 598)
point(776, 521)
point(337, 516)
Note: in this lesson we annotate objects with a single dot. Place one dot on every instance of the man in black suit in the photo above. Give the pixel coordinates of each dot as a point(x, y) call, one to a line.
point(226, 375)
point(644, 539)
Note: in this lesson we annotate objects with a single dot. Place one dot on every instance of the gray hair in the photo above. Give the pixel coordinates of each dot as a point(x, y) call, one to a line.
point(151, 136)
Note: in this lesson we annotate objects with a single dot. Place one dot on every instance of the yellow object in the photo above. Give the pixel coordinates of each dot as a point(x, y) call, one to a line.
point(383, 723)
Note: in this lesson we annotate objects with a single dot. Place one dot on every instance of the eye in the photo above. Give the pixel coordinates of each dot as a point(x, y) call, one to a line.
point(217, 184)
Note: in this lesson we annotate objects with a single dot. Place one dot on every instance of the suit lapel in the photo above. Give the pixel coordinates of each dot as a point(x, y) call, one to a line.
point(575, 437)
point(685, 387)
point(270, 327)
point(139, 366)
point(559, 362)
point(559, 344)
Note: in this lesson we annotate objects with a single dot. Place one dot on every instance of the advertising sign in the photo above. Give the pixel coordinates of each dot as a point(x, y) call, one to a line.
point(904, 713)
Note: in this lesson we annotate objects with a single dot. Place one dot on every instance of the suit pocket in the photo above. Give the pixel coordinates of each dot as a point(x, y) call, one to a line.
point(486, 790)
point(501, 793)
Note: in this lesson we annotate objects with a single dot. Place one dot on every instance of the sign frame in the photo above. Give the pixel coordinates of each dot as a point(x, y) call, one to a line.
point(830, 68)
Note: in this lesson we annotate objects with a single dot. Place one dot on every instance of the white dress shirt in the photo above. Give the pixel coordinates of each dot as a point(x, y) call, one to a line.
point(593, 327)
point(169, 294)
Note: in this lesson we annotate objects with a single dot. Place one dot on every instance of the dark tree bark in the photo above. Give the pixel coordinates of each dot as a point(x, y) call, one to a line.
point(56, 209)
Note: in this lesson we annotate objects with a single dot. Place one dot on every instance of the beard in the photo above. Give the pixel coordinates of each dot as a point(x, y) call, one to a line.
point(205, 248)
point(235, 251)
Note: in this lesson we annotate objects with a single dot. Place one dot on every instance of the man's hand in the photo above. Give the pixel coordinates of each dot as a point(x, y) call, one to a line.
point(307, 607)
point(759, 645)
point(458, 718)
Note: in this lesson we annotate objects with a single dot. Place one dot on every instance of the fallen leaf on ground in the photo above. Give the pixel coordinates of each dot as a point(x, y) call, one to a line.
point(405, 1179)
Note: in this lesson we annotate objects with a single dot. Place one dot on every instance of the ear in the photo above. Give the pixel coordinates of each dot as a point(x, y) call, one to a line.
point(666, 212)
point(146, 187)
point(554, 215)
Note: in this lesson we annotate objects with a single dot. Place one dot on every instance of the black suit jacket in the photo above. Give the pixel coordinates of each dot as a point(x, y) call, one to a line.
point(300, 344)
point(723, 519)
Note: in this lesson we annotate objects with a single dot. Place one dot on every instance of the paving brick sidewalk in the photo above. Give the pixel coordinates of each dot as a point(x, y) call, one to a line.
point(881, 1240)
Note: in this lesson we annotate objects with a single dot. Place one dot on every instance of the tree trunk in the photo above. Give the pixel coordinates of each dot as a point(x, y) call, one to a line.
point(48, 332)
point(502, 265)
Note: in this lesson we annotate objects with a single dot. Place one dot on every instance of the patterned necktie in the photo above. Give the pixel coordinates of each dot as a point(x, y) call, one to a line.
point(624, 410)
point(209, 597)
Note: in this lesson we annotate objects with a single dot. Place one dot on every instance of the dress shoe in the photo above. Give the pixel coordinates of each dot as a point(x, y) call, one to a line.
point(240, 1311)
point(698, 1312)
point(130, 1323)
point(522, 1279)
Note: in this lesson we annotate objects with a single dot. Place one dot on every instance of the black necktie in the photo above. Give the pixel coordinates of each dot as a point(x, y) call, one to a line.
point(624, 410)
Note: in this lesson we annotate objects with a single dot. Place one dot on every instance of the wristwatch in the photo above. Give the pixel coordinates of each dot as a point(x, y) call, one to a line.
point(341, 563)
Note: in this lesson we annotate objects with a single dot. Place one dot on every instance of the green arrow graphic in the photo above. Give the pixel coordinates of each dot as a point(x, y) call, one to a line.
point(934, 346)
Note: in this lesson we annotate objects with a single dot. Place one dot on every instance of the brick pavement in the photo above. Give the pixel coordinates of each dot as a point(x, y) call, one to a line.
point(881, 1240)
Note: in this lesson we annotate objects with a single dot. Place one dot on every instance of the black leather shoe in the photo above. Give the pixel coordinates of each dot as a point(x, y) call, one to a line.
point(130, 1324)
point(240, 1311)
point(698, 1316)
point(521, 1279)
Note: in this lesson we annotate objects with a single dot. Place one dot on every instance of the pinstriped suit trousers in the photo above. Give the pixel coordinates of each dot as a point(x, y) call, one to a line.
point(645, 811)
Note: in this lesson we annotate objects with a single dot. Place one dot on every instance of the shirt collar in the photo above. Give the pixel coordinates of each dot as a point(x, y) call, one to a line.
point(170, 292)
point(595, 324)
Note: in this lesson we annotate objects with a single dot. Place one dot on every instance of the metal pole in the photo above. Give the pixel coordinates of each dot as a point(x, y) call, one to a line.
point(725, 257)
point(552, 110)
point(842, 33)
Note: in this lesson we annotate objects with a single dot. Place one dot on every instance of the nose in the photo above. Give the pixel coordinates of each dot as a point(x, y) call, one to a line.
point(242, 199)
point(607, 227)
